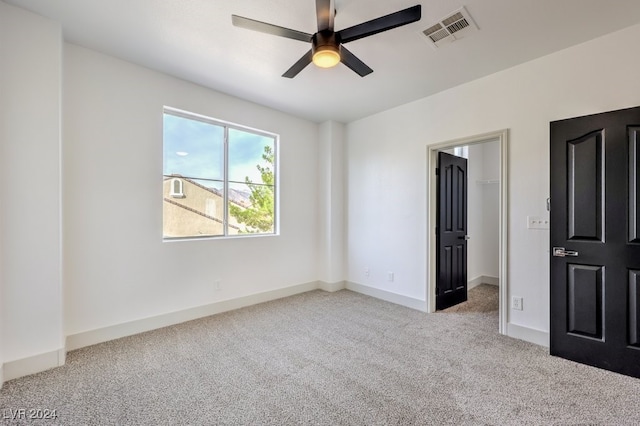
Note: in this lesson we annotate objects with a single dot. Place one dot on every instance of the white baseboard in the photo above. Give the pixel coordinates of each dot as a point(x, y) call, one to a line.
point(92, 337)
point(398, 299)
point(332, 287)
point(482, 279)
point(33, 364)
point(533, 335)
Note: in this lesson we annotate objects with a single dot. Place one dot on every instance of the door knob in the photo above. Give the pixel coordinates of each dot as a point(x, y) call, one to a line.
point(466, 237)
point(561, 252)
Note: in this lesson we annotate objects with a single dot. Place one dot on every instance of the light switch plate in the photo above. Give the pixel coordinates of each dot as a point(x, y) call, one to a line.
point(536, 222)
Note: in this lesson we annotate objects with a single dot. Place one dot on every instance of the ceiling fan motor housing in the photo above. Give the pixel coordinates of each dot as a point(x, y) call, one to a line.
point(325, 48)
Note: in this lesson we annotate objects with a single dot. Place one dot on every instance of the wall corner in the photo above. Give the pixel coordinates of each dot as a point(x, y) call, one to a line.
point(332, 287)
point(331, 193)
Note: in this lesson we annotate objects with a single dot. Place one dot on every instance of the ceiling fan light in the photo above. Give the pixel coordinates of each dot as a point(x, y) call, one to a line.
point(326, 57)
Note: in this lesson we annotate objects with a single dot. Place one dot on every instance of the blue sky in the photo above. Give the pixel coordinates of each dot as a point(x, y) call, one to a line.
point(196, 149)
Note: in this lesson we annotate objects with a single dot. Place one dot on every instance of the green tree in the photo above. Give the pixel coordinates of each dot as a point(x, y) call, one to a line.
point(258, 217)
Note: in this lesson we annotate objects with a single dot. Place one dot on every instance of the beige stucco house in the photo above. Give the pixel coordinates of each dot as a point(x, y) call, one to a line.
point(192, 209)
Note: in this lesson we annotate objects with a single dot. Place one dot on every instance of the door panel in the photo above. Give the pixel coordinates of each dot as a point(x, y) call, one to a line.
point(634, 184)
point(447, 195)
point(451, 254)
point(447, 274)
point(634, 308)
point(460, 192)
point(585, 290)
point(586, 185)
point(595, 294)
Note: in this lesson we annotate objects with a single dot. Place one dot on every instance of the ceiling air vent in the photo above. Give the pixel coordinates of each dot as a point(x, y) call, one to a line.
point(454, 26)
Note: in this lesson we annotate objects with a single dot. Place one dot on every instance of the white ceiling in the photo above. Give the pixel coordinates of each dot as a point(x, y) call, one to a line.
point(194, 40)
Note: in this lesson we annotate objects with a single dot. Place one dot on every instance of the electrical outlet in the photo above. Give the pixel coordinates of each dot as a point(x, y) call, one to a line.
point(535, 222)
point(516, 303)
point(390, 276)
point(366, 272)
point(216, 285)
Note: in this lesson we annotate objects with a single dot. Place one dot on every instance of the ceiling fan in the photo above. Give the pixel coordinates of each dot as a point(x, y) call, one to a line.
point(327, 48)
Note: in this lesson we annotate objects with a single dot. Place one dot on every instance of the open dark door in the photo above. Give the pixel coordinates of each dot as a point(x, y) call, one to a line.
point(451, 231)
point(595, 240)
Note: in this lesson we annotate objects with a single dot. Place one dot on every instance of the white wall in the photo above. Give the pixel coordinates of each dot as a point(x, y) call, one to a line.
point(387, 164)
point(3, 113)
point(30, 214)
point(331, 202)
point(117, 268)
point(491, 209)
point(475, 213)
point(484, 203)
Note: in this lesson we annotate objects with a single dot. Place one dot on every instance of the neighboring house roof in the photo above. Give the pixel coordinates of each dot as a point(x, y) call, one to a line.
point(196, 211)
point(211, 190)
point(175, 203)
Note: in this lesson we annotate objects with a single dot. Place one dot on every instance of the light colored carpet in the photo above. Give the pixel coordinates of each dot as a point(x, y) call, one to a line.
point(327, 359)
point(482, 298)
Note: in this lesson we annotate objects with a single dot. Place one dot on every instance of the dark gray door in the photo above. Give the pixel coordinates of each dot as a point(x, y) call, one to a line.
point(451, 231)
point(595, 240)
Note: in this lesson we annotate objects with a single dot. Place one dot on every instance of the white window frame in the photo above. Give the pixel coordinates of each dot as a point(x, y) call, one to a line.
point(180, 192)
point(276, 175)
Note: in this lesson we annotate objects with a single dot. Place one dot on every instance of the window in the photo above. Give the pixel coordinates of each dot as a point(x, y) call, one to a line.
point(219, 179)
point(461, 151)
point(176, 188)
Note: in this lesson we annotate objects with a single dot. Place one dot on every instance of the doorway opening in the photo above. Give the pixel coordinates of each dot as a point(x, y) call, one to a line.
point(499, 183)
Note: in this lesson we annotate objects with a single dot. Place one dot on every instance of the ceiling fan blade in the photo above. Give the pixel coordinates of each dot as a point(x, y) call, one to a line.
point(350, 60)
point(378, 25)
point(263, 27)
point(325, 10)
point(299, 66)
